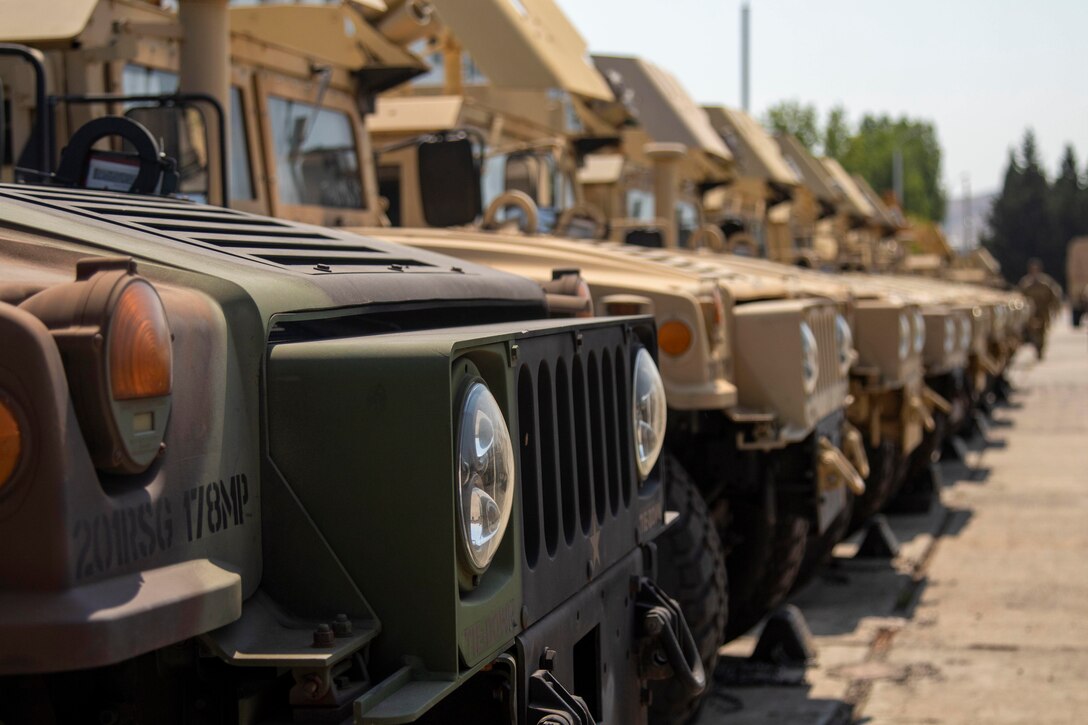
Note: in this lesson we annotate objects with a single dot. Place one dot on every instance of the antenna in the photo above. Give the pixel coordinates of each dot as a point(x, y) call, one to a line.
point(745, 13)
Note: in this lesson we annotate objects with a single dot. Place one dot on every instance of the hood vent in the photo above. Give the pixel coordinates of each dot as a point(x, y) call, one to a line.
point(291, 245)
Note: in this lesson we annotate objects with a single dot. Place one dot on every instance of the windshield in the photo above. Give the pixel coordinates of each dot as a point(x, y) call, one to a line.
point(534, 172)
point(316, 159)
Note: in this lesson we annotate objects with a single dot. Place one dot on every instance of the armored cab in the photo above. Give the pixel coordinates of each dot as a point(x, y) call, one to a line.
point(812, 210)
point(758, 205)
point(852, 227)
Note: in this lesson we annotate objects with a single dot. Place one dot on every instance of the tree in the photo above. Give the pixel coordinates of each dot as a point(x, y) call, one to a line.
point(836, 133)
point(1021, 224)
point(797, 119)
point(871, 149)
point(1066, 203)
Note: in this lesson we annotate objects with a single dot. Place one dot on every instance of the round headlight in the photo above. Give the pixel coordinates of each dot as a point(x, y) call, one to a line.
point(485, 475)
point(904, 336)
point(919, 331)
point(844, 339)
point(649, 409)
point(999, 319)
point(810, 363)
point(949, 335)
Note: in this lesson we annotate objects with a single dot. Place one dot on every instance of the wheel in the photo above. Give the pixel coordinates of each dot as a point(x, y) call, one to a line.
point(879, 486)
point(918, 490)
point(917, 495)
point(819, 546)
point(692, 571)
point(768, 546)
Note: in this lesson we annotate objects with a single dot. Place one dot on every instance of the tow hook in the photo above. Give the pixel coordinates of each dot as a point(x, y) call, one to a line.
point(920, 412)
point(551, 704)
point(854, 447)
point(936, 401)
point(666, 647)
point(834, 469)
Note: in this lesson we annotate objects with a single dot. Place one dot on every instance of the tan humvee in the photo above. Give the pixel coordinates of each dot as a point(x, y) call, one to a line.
point(760, 200)
point(813, 210)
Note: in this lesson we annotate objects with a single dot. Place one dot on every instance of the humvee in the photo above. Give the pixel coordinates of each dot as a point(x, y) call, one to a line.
point(257, 470)
point(759, 460)
point(302, 152)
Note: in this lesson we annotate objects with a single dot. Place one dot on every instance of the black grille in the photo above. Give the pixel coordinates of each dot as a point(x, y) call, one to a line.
point(581, 494)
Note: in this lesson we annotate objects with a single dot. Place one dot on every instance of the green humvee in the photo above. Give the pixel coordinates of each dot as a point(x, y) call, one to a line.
point(255, 470)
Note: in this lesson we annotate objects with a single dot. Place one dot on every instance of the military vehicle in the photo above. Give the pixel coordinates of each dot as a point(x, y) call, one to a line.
point(214, 500)
point(1076, 272)
point(759, 203)
point(769, 461)
point(813, 211)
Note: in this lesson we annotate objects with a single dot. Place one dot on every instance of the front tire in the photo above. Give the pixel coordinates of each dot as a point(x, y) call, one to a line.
point(768, 548)
point(819, 548)
point(692, 571)
point(881, 484)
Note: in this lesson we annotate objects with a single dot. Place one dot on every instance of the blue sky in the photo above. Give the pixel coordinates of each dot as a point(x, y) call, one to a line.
point(982, 70)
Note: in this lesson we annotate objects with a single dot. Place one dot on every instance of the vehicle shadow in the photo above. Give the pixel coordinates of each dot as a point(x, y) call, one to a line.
point(848, 607)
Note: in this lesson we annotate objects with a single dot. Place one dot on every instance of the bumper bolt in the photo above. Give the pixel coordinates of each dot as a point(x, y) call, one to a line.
point(341, 626)
point(324, 636)
point(547, 660)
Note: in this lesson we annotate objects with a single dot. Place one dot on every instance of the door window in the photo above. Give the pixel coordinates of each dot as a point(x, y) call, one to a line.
point(316, 159)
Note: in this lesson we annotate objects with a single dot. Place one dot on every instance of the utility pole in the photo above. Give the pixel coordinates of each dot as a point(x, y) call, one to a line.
point(968, 214)
point(745, 12)
point(897, 175)
point(897, 166)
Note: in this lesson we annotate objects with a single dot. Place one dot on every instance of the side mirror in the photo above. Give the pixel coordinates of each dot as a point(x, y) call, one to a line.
point(645, 237)
point(449, 182)
point(182, 135)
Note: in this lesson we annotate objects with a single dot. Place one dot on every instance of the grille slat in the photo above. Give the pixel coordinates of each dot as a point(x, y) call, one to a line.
point(600, 471)
point(611, 442)
point(530, 466)
point(622, 420)
point(547, 434)
point(566, 450)
point(583, 454)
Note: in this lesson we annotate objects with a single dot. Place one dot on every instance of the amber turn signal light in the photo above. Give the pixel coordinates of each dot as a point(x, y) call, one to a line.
point(674, 337)
point(11, 442)
point(140, 356)
point(111, 328)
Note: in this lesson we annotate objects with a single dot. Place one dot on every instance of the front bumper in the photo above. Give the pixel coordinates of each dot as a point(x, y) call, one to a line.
point(589, 645)
point(821, 471)
point(583, 659)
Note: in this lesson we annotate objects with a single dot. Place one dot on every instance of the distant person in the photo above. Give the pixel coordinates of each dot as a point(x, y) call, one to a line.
point(1046, 299)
